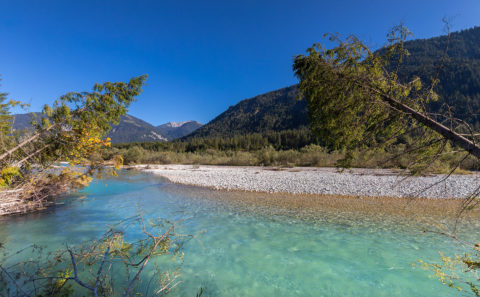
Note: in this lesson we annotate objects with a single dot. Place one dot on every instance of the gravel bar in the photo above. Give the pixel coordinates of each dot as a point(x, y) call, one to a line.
point(314, 180)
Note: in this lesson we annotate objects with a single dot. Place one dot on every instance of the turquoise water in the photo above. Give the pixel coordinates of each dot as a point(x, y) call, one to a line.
point(245, 252)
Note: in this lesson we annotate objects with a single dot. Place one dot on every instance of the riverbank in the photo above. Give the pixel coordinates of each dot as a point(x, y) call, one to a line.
point(324, 181)
point(30, 197)
point(12, 202)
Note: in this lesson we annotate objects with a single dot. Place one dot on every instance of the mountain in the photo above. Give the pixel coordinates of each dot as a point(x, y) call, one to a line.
point(132, 129)
point(173, 124)
point(279, 110)
point(459, 88)
point(274, 111)
point(129, 129)
point(22, 121)
point(459, 74)
point(173, 130)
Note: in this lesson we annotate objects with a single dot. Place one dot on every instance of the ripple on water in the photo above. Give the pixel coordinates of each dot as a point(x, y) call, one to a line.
point(253, 244)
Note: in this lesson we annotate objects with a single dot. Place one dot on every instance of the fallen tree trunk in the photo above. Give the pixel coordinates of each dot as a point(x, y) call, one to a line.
point(25, 142)
point(31, 197)
point(456, 138)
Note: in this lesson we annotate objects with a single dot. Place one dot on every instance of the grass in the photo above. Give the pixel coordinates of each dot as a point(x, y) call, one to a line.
point(309, 156)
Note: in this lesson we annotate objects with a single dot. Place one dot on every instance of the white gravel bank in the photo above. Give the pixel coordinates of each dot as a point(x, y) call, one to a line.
point(362, 182)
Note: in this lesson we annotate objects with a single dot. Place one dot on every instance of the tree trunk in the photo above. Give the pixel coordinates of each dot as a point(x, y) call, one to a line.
point(25, 142)
point(449, 134)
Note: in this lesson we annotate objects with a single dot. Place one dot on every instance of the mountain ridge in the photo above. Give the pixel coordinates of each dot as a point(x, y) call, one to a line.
point(174, 130)
point(273, 111)
point(280, 110)
point(459, 88)
point(129, 129)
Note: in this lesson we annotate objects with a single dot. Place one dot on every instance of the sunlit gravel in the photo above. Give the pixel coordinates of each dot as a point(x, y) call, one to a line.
point(361, 182)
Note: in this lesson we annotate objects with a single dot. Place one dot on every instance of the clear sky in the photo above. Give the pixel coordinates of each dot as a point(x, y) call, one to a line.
point(201, 56)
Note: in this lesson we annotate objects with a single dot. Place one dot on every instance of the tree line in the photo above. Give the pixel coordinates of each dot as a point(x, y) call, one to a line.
point(279, 140)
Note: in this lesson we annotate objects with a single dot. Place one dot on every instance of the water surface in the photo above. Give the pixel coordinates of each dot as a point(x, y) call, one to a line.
point(248, 251)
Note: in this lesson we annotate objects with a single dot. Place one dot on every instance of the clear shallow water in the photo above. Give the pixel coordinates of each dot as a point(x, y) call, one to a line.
point(245, 252)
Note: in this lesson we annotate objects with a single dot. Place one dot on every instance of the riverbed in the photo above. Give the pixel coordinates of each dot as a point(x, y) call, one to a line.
point(320, 180)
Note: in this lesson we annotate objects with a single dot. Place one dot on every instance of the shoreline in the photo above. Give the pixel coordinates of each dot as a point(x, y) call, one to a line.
point(318, 181)
point(321, 206)
point(11, 203)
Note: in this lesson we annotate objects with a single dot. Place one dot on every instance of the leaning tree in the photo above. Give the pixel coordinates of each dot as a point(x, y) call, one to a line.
point(73, 129)
point(357, 99)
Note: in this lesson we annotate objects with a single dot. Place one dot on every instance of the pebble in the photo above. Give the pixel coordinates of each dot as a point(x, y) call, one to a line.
point(308, 180)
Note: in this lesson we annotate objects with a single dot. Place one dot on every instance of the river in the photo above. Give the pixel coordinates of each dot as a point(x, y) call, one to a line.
point(242, 250)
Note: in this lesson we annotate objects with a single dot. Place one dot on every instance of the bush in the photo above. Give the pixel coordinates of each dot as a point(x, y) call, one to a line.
point(8, 175)
point(396, 156)
point(133, 155)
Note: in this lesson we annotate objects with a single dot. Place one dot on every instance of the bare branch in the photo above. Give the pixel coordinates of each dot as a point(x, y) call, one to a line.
point(14, 281)
point(75, 272)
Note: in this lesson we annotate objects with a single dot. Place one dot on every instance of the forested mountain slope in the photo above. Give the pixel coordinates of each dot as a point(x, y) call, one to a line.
point(458, 74)
point(280, 110)
point(132, 129)
point(274, 111)
point(459, 88)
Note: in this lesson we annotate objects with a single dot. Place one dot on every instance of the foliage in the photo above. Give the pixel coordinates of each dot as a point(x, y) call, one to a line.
point(8, 176)
point(358, 98)
point(110, 266)
point(460, 272)
point(271, 112)
point(5, 118)
point(268, 155)
point(280, 140)
point(133, 154)
point(458, 72)
point(90, 121)
point(344, 88)
point(72, 129)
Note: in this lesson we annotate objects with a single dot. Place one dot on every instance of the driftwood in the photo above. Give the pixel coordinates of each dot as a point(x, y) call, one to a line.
point(13, 203)
point(30, 197)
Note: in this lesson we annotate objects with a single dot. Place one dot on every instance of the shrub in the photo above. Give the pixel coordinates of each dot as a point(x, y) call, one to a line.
point(133, 155)
point(8, 175)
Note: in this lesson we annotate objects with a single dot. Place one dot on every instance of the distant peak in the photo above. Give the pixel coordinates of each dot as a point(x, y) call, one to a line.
point(178, 124)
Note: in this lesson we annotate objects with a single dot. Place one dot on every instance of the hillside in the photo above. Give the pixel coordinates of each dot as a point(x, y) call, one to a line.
point(22, 121)
point(130, 129)
point(173, 130)
point(459, 75)
point(459, 88)
point(274, 111)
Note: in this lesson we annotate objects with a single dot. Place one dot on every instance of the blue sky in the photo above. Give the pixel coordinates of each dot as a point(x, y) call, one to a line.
point(201, 56)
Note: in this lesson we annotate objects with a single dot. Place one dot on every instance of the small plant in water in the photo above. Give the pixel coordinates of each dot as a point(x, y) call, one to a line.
point(110, 266)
